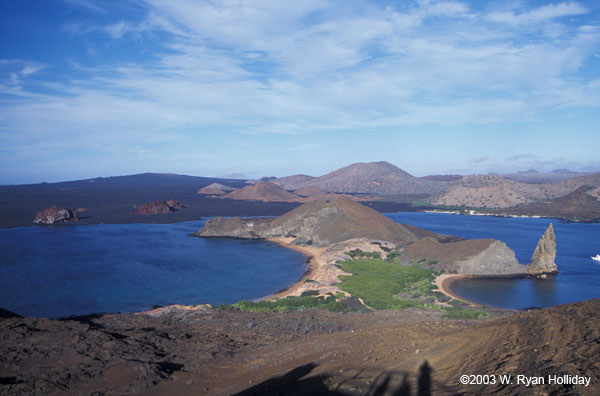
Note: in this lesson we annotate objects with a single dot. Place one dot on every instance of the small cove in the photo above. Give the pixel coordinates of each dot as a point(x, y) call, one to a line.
point(74, 270)
point(578, 278)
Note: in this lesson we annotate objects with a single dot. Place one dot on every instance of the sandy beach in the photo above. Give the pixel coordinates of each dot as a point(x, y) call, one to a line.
point(313, 261)
point(316, 270)
point(444, 284)
point(316, 260)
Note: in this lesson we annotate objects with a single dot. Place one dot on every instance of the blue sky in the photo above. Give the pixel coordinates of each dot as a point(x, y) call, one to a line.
point(262, 87)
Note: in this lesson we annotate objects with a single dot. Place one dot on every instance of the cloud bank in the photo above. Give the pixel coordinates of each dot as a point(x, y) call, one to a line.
point(273, 67)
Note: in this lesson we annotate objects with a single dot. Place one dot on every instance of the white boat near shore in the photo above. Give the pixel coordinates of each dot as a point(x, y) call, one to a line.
point(596, 257)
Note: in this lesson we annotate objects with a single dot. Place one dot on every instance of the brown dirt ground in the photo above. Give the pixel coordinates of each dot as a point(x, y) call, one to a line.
point(199, 351)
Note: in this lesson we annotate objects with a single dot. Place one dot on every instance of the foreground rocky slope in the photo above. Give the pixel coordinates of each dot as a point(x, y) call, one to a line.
point(202, 351)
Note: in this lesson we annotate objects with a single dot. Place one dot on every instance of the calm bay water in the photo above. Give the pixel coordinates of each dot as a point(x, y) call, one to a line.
point(578, 278)
point(74, 270)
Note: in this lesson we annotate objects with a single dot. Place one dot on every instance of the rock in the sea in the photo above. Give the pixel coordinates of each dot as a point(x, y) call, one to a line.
point(55, 215)
point(159, 207)
point(542, 261)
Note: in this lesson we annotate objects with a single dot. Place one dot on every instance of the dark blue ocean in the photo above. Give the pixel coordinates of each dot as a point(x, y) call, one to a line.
point(578, 278)
point(74, 270)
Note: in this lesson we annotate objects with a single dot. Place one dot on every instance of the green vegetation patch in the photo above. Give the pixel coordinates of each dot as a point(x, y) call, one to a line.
point(387, 284)
point(460, 313)
point(359, 253)
point(290, 304)
point(381, 284)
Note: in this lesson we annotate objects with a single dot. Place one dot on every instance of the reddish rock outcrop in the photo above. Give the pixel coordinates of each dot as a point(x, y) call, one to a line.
point(158, 207)
point(55, 215)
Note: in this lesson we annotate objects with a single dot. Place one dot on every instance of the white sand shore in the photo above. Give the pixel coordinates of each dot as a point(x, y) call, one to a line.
point(444, 284)
point(313, 255)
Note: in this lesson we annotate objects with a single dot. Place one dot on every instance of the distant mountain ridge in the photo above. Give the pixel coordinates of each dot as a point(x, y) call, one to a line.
point(533, 176)
point(294, 182)
point(491, 191)
point(215, 189)
point(380, 178)
point(263, 191)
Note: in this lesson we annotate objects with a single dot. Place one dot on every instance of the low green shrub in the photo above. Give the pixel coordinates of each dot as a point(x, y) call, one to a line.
point(309, 293)
point(355, 253)
point(378, 283)
point(459, 313)
point(291, 304)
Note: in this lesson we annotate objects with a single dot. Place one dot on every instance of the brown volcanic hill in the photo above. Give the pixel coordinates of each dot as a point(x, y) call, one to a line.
point(310, 191)
point(293, 182)
point(210, 191)
point(375, 178)
point(582, 203)
point(263, 191)
point(564, 187)
point(446, 178)
point(215, 189)
point(313, 192)
point(490, 191)
point(262, 179)
point(533, 176)
point(470, 256)
point(320, 223)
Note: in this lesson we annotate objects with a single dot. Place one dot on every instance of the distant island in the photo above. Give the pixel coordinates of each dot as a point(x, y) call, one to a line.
point(382, 186)
point(366, 313)
point(327, 230)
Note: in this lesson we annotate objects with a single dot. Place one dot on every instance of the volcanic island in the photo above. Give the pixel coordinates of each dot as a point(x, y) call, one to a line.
point(367, 318)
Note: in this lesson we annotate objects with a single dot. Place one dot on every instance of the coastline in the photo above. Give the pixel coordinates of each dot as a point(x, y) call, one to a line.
point(312, 261)
point(444, 284)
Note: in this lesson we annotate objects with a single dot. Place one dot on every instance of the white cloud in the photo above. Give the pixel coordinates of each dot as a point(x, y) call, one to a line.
point(31, 69)
point(117, 30)
point(88, 4)
point(540, 14)
point(267, 66)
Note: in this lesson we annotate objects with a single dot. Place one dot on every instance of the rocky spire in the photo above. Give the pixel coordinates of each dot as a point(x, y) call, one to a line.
point(542, 261)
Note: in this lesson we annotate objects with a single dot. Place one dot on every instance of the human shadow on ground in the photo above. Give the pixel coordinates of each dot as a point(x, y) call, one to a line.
point(294, 383)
